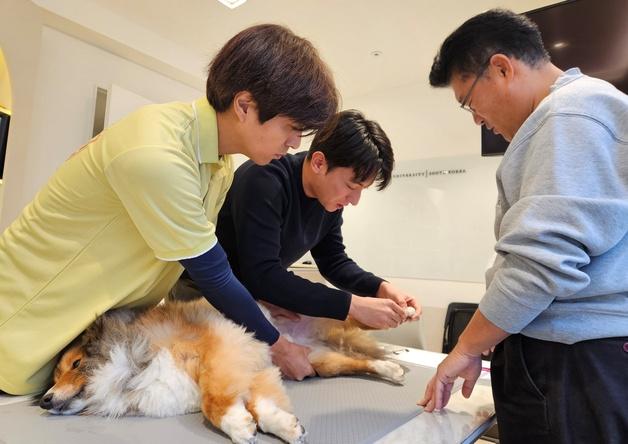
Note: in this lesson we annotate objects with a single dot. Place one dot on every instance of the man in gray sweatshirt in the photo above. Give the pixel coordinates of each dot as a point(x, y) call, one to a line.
point(556, 304)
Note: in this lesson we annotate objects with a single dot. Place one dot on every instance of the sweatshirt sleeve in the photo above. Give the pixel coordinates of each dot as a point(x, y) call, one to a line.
point(569, 204)
point(256, 210)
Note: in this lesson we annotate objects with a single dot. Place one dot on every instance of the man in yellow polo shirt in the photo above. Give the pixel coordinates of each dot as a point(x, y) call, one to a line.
point(122, 217)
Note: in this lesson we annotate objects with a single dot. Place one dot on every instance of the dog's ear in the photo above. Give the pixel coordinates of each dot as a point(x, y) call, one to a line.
point(108, 329)
point(92, 334)
point(124, 315)
point(109, 318)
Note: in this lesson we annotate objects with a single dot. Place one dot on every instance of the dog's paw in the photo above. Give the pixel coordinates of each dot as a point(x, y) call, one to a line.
point(296, 434)
point(389, 370)
point(272, 419)
point(301, 439)
point(409, 312)
point(239, 425)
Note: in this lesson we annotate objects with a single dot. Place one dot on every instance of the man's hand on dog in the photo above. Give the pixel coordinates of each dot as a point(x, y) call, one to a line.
point(388, 291)
point(376, 313)
point(292, 359)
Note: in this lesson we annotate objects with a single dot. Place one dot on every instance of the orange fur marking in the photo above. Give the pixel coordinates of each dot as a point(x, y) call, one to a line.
point(68, 379)
point(267, 384)
point(334, 364)
point(220, 382)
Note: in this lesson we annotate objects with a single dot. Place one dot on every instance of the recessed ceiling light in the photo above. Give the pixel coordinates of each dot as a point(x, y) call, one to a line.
point(232, 4)
point(559, 45)
point(376, 53)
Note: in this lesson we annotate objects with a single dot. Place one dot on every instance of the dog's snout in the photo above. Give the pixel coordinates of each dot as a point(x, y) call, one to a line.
point(46, 401)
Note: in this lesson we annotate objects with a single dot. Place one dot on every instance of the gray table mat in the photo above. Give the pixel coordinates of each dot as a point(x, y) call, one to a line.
point(343, 410)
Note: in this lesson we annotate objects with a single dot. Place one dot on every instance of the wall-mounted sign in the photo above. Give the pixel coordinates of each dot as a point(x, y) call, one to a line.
point(430, 173)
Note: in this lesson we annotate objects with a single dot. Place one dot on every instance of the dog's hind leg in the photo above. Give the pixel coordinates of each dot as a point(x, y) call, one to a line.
point(271, 408)
point(222, 403)
point(346, 338)
point(331, 363)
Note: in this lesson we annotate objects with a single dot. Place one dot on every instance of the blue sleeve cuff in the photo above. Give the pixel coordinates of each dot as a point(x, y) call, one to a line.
point(212, 274)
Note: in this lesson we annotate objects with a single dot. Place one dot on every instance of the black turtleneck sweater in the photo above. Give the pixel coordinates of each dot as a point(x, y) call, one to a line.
point(267, 223)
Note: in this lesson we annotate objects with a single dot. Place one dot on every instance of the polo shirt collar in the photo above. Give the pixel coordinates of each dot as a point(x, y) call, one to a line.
point(208, 131)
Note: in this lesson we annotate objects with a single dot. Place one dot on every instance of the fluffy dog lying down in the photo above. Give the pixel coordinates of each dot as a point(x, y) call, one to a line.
point(182, 357)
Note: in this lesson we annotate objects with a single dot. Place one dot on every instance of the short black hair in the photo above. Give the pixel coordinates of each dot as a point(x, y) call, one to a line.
point(283, 72)
point(468, 49)
point(358, 143)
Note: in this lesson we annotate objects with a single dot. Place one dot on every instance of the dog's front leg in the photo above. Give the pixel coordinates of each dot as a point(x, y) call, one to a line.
point(329, 363)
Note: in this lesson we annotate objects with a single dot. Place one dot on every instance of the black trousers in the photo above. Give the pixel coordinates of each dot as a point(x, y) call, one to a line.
point(548, 392)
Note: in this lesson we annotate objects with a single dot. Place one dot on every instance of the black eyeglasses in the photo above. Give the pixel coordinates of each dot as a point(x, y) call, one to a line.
point(464, 104)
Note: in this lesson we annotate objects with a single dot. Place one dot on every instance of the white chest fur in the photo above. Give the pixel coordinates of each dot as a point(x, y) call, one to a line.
point(161, 389)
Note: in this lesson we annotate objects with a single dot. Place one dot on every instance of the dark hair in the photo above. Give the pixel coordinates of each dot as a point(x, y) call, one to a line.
point(497, 31)
point(282, 71)
point(357, 143)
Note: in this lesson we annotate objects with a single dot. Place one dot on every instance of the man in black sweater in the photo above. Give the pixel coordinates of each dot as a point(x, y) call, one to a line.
point(276, 213)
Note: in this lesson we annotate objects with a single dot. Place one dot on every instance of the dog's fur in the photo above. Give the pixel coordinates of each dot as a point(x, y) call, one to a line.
point(181, 357)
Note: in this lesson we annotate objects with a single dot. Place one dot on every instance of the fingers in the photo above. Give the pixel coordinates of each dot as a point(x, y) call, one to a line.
point(439, 389)
point(401, 302)
point(398, 309)
point(387, 313)
point(378, 313)
point(417, 308)
point(287, 375)
point(447, 388)
point(397, 314)
point(431, 404)
point(438, 395)
point(467, 387)
point(292, 359)
point(427, 397)
point(306, 371)
point(297, 371)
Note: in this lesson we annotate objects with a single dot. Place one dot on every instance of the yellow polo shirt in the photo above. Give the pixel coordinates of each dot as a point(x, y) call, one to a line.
point(107, 231)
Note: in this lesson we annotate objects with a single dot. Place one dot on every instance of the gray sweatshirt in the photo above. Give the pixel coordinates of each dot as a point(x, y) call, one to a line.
point(561, 221)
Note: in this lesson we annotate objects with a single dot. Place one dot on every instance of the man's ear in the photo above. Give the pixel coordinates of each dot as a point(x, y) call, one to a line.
point(318, 162)
point(501, 66)
point(243, 103)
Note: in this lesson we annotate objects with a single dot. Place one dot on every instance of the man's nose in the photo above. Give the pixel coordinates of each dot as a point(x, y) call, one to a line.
point(354, 197)
point(295, 140)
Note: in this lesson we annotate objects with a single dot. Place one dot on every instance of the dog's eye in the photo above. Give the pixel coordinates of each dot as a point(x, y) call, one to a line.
point(76, 363)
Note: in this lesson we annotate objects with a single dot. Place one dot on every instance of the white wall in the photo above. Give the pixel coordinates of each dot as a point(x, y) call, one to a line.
point(425, 123)
point(116, 33)
point(427, 224)
point(421, 121)
point(121, 102)
point(62, 94)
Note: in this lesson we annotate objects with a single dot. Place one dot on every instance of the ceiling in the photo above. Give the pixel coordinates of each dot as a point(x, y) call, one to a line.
point(407, 33)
